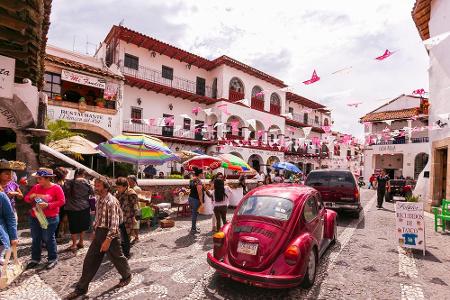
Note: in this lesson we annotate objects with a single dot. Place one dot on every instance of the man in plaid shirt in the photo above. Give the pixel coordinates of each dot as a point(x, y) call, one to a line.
point(106, 240)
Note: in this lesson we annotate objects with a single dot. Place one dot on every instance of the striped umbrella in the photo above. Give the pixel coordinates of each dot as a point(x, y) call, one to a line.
point(137, 149)
point(234, 163)
point(201, 162)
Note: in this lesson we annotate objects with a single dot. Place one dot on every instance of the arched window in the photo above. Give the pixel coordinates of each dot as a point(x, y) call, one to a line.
point(236, 91)
point(236, 85)
point(325, 122)
point(257, 93)
point(214, 88)
point(275, 99)
point(275, 104)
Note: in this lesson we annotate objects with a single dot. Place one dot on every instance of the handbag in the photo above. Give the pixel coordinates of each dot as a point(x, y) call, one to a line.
point(8, 274)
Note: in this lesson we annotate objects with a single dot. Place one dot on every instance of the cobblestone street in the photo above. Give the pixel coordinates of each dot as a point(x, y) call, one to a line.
point(365, 263)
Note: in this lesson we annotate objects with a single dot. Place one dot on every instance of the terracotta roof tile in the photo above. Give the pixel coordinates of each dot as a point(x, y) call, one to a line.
point(421, 16)
point(80, 66)
point(391, 115)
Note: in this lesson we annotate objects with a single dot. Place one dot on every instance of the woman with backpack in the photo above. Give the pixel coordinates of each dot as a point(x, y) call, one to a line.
point(78, 209)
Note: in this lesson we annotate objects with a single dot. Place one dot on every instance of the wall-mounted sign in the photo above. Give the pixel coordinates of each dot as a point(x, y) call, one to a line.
point(410, 225)
point(7, 68)
point(107, 122)
point(83, 79)
point(387, 148)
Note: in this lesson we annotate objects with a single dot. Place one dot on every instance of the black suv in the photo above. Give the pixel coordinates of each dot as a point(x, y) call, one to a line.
point(338, 188)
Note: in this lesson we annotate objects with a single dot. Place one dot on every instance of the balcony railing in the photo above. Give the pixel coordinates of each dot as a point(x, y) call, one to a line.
point(402, 141)
point(235, 96)
point(233, 137)
point(178, 83)
point(308, 121)
point(275, 109)
point(257, 104)
point(167, 131)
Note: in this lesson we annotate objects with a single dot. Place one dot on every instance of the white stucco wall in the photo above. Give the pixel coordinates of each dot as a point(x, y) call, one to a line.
point(403, 102)
point(439, 70)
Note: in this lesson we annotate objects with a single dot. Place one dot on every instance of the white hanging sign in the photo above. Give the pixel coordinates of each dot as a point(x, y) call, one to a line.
point(83, 79)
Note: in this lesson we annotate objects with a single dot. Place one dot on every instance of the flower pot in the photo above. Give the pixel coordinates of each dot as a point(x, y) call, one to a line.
point(100, 104)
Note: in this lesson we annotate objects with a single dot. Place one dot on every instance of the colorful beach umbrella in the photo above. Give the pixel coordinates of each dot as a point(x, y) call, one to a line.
point(234, 163)
point(202, 161)
point(184, 155)
point(139, 149)
point(286, 166)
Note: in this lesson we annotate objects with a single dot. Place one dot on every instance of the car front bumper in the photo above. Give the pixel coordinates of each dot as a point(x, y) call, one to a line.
point(253, 278)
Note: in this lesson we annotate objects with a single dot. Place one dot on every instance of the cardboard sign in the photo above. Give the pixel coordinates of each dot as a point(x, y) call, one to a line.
point(410, 225)
point(7, 69)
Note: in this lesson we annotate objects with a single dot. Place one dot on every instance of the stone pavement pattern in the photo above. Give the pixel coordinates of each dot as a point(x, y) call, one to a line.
point(365, 263)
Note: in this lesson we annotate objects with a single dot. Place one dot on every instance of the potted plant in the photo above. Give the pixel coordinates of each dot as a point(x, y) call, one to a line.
point(100, 102)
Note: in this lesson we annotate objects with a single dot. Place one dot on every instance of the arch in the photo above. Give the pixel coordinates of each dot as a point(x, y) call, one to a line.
point(275, 99)
point(237, 154)
point(325, 149)
point(232, 130)
point(273, 132)
point(211, 120)
point(271, 160)
point(236, 85)
point(88, 127)
point(214, 89)
point(256, 162)
point(257, 92)
point(420, 161)
point(259, 128)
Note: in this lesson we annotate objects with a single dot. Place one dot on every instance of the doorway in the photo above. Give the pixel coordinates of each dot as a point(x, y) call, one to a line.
point(440, 174)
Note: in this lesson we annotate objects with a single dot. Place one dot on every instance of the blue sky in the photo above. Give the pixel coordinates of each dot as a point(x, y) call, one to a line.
point(287, 39)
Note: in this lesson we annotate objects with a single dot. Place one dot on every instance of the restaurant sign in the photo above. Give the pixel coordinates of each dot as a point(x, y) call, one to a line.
point(410, 225)
point(7, 67)
point(83, 79)
point(107, 122)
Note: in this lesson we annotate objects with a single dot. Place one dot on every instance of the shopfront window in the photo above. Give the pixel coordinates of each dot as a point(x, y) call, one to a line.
point(136, 115)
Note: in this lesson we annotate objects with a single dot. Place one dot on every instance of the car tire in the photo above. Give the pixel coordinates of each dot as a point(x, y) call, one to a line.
point(355, 214)
point(311, 270)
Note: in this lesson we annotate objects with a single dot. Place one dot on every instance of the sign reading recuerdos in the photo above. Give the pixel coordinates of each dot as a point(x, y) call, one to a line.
point(410, 224)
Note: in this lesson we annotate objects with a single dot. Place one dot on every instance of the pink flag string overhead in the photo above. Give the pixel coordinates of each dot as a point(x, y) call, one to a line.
point(386, 54)
point(314, 78)
point(419, 92)
point(196, 110)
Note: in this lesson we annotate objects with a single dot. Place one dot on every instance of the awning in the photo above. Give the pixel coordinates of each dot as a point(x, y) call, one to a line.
point(68, 160)
point(75, 144)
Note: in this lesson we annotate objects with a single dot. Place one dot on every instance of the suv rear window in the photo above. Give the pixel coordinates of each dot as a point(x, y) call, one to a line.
point(330, 178)
point(267, 206)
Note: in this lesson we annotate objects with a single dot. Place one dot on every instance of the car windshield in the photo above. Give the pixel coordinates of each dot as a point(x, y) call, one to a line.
point(267, 206)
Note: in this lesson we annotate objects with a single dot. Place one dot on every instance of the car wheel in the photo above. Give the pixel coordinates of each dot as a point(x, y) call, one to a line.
point(355, 214)
point(310, 274)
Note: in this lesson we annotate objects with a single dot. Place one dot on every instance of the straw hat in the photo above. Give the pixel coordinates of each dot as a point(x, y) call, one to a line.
point(12, 165)
point(43, 172)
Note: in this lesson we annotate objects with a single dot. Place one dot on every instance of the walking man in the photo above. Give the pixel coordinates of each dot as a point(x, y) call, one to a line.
point(106, 240)
point(383, 184)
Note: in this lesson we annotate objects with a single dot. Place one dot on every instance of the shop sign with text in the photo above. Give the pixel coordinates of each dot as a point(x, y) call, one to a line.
point(7, 67)
point(410, 225)
point(83, 79)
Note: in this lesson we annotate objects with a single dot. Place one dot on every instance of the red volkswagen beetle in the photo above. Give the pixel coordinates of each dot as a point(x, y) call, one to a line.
point(276, 237)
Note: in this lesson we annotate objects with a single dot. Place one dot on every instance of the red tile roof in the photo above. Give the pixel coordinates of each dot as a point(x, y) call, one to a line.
point(152, 44)
point(303, 101)
point(391, 115)
point(421, 16)
point(80, 66)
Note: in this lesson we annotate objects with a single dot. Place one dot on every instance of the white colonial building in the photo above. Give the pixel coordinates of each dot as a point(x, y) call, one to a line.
point(397, 137)
point(219, 105)
point(431, 18)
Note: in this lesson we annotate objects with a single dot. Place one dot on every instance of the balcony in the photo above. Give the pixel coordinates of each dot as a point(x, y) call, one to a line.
point(275, 109)
point(402, 141)
point(168, 132)
point(177, 83)
point(235, 96)
point(257, 104)
point(233, 137)
point(301, 119)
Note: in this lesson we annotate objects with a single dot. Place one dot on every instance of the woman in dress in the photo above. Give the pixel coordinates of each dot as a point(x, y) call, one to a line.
point(77, 208)
point(220, 201)
point(48, 197)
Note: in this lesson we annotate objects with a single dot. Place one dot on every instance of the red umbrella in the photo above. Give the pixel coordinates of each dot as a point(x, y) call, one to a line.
point(202, 161)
